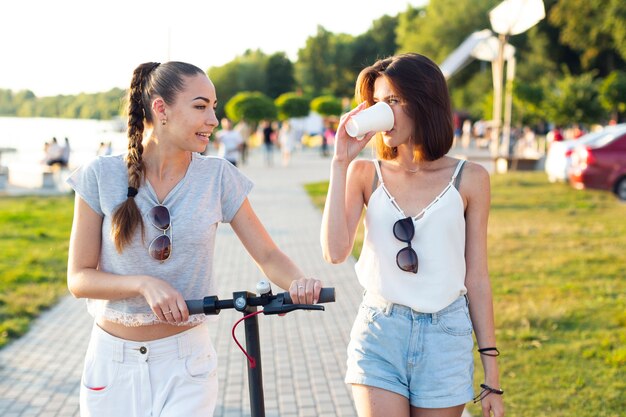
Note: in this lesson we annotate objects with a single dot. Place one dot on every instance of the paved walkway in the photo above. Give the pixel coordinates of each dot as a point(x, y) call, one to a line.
point(303, 352)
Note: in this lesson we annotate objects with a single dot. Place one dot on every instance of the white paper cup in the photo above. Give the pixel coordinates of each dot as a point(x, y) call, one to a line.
point(377, 118)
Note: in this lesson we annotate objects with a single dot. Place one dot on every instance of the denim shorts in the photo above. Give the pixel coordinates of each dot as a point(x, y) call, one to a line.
point(425, 357)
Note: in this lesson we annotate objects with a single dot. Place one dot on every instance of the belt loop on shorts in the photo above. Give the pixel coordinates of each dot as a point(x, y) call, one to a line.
point(466, 299)
point(388, 309)
point(184, 346)
point(118, 354)
point(434, 318)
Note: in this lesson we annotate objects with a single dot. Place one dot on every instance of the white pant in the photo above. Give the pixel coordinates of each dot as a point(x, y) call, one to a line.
point(171, 377)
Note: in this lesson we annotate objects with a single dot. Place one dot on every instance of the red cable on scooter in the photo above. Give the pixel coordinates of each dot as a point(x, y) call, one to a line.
point(250, 358)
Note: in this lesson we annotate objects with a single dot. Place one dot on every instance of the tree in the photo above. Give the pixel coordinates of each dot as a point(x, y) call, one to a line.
point(250, 106)
point(7, 108)
point(475, 95)
point(26, 108)
point(574, 99)
point(225, 79)
point(383, 35)
point(292, 105)
point(25, 103)
point(536, 56)
point(613, 94)
point(241, 74)
point(594, 28)
point(279, 73)
point(440, 27)
point(330, 63)
point(529, 102)
point(315, 63)
point(342, 83)
point(378, 42)
point(436, 31)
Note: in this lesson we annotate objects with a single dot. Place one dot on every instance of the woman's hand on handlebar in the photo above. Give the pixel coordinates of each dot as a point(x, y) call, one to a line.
point(305, 290)
point(167, 303)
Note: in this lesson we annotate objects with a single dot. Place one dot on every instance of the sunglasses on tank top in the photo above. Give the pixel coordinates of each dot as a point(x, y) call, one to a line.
point(161, 246)
point(404, 231)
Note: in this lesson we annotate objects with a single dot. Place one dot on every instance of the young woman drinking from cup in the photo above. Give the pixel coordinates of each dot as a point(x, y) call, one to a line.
point(424, 259)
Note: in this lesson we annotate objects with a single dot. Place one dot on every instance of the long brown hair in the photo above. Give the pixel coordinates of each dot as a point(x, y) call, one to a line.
point(421, 86)
point(150, 80)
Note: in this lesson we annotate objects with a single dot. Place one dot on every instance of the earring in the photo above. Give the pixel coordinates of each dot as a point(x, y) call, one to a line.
point(164, 122)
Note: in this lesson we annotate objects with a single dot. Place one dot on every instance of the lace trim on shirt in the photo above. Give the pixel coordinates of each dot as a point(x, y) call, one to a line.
point(136, 320)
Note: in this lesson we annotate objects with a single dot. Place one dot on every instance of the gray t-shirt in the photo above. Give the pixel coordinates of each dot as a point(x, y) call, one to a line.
point(212, 191)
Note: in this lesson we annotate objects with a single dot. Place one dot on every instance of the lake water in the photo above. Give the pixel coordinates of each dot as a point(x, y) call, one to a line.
point(27, 137)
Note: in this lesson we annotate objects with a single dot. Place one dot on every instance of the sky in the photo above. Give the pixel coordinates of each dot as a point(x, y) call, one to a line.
point(72, 46)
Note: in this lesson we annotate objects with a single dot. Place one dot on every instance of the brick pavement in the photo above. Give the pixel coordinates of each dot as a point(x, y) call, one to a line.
point(303, 353)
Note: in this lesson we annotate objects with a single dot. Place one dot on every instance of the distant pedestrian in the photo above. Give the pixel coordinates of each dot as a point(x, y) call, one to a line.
point(54, 153)
point(244, 130)
point(269, 137)
point(286, 138)
point(230, 142)
point(466, 136)
point(67, 150)
point(577, 131)
point(526, 145)
point(328, 137)
point(46, 153)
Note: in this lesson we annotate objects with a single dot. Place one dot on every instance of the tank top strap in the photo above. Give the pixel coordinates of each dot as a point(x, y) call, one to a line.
point(379, 173)
point(457, 173)
point(377, 176)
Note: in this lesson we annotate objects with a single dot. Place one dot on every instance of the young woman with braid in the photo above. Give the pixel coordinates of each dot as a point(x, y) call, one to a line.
point(147, 355)
point(423, 265)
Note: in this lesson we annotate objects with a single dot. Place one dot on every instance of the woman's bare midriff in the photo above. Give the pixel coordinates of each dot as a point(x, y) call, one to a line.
point(141, 333)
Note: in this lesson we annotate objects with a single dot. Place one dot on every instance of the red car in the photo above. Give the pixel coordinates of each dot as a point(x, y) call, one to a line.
point(601, 165)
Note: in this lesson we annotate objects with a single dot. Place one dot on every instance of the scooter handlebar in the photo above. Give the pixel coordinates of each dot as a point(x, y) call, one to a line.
point(195, 306)
point(327, 295)
point(212, 305)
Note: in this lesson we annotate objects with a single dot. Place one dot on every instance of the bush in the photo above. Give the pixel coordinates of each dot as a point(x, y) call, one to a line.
point(292, 105)
point(327, 106)
point(251, 106)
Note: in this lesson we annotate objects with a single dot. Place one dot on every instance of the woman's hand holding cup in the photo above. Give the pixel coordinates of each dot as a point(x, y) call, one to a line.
point(376, 118)
point(358, 126)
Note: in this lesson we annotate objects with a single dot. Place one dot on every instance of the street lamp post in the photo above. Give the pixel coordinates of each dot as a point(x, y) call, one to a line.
point(511, 17)
point(497, 67)
point(508, 104)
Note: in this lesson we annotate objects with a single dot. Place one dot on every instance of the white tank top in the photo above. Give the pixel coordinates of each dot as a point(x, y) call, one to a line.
point(439, 242)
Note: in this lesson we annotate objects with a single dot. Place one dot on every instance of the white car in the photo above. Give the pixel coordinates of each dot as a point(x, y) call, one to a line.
point(558, 159)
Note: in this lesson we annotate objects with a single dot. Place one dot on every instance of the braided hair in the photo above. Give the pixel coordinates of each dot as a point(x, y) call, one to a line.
point(149, 80)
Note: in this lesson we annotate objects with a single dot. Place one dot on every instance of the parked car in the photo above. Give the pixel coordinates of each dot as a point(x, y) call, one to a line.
point(601, 165)
point(558, 158)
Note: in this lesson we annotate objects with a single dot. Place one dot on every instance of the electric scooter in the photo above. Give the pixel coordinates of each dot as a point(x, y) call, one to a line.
point(248, 303)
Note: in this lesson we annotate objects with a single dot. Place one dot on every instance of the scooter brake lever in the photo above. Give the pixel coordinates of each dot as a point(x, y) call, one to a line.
point(273, 308)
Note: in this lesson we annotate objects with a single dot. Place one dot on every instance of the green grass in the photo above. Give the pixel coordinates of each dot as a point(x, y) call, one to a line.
point(557, 260)
point(34, 237)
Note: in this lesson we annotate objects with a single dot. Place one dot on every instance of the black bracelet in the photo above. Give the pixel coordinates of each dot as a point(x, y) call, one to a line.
point(484, 351)
point(486, 390)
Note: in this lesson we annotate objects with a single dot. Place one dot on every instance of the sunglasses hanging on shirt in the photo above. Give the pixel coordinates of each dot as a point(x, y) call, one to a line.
point(404, 231)
point(161, 246)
